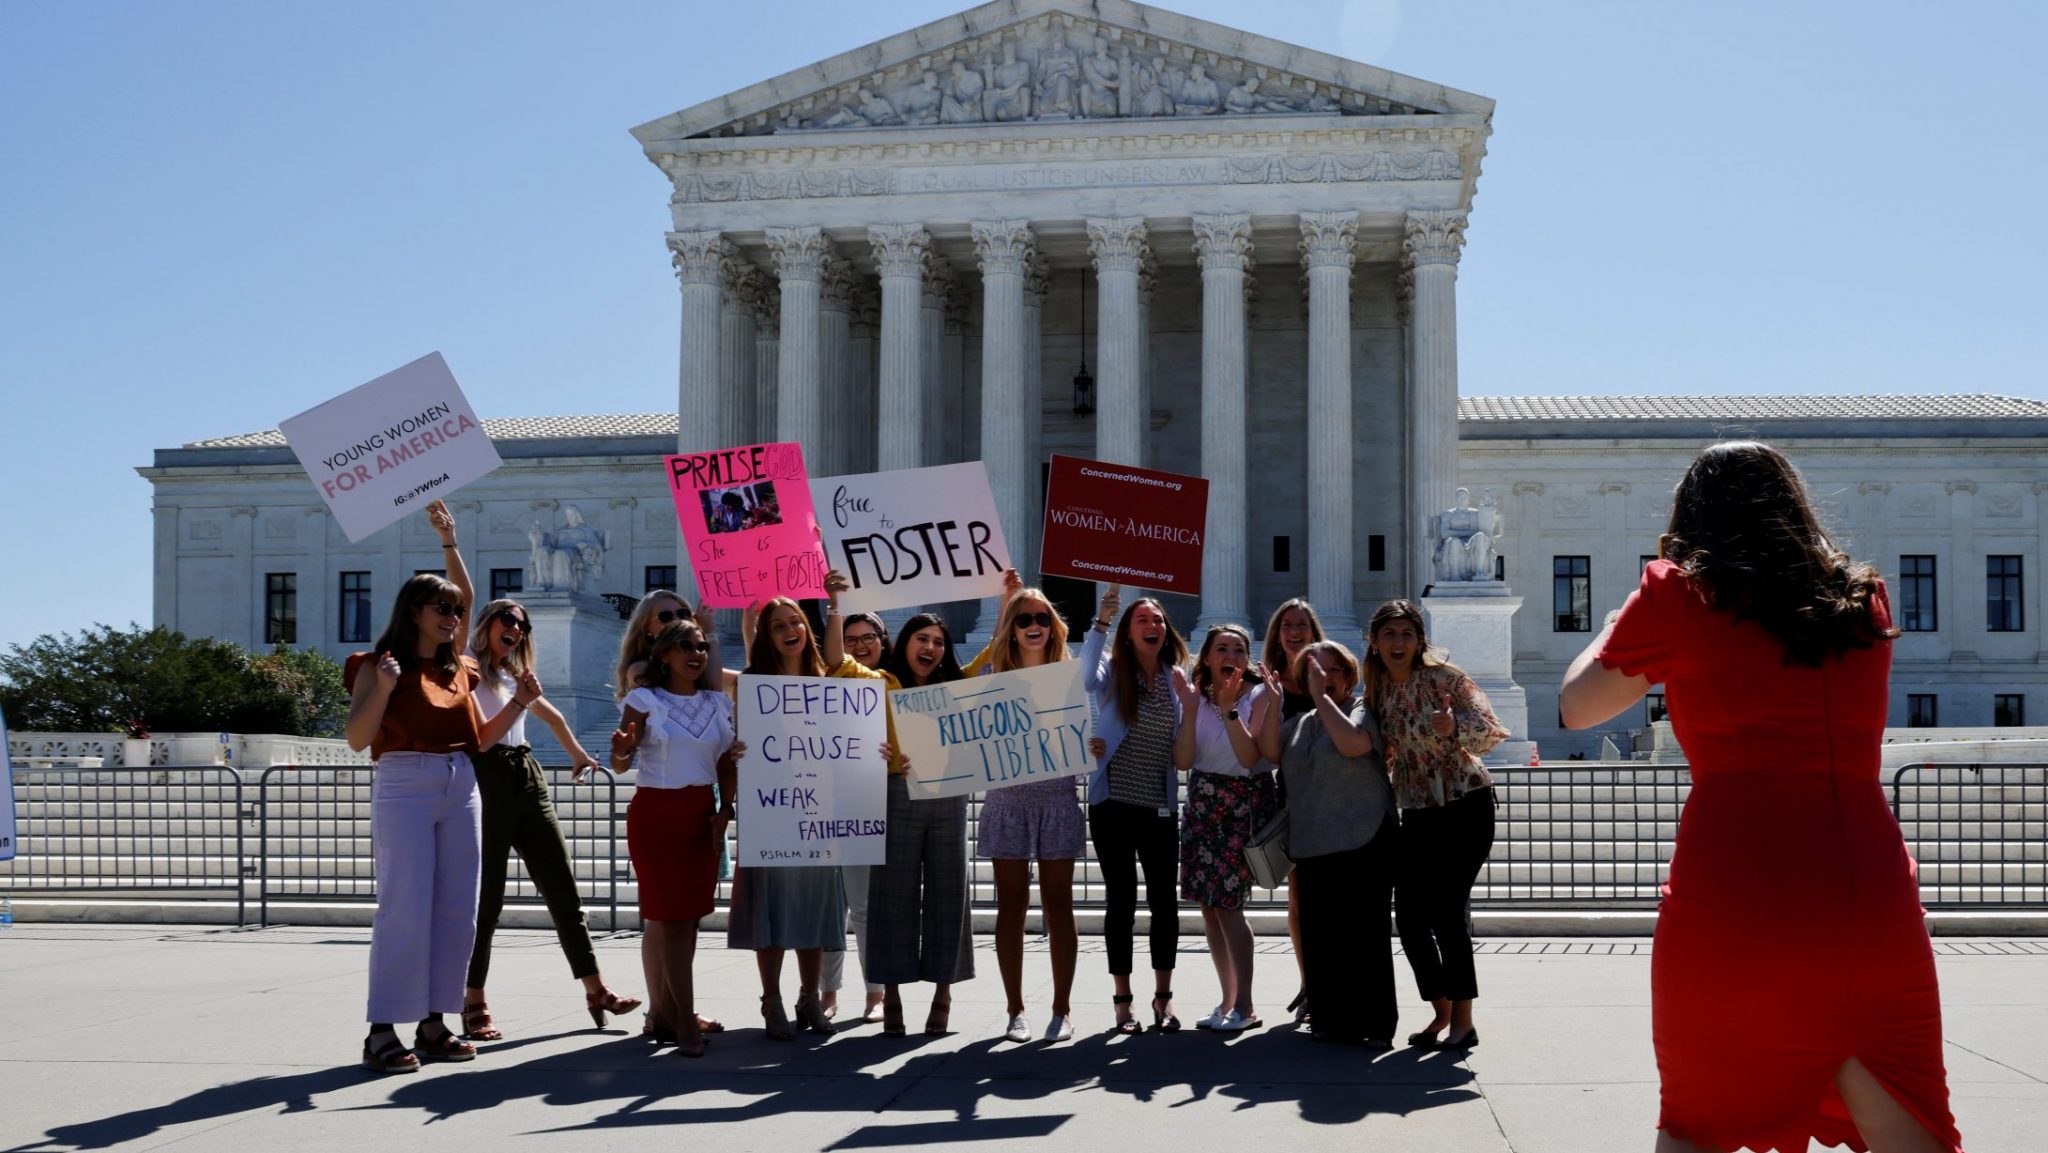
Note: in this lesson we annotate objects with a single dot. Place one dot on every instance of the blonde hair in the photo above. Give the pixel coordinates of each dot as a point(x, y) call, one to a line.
point(1332, 656)
point(520, 659)
point(1275, 654)
point(636, 645)
point(1005, 654)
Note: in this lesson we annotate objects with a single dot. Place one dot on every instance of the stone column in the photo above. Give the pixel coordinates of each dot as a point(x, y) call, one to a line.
point(1037, 279)
point(1327, 253)
point(899, 429)
point(938, 286)
point(1222, 245)
point(1117, 245)
point(860, 437)
point(1148, 274)
point(1003, 248)
point(799, 255)
point(699, 261)
point(835, 370)
point(1432, 245)
point(767, 359)
point(736, 353)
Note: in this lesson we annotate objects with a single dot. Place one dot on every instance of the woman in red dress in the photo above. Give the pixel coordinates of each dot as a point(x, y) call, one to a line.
point(1792, 984)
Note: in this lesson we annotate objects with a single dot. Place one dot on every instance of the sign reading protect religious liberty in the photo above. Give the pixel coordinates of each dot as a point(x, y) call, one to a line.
point(990, 732)
point(813, 788)
point(1123, 524)
point(916, 536)
point(6, 795)
point(746, 517)
point(379, 449)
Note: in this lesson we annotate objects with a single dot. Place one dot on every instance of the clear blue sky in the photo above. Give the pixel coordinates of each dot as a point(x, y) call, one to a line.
point(214, 215)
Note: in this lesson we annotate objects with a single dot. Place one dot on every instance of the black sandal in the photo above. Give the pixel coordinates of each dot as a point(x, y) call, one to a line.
point(389, 1057)
point(1128, 1026)
point(1161, 1020)
point(446, 1047)
point(476, 1023)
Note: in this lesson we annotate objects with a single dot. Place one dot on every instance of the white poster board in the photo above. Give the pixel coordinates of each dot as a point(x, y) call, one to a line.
point(813, 788)
point(990, 732)
point(917, 536)
point(380, 449)
point(6, 795)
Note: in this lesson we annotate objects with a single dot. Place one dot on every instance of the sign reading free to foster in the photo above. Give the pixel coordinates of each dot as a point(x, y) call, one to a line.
point(916, 536)
point(381, 448)
point(1123, 524)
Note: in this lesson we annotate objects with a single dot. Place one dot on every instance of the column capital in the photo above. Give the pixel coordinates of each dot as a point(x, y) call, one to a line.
point(1116, 242)
point(1434, 237)
point(899, 248)
point(1223, 242)
point(768, 311)
point(742, 282)
point(1148, 275)
point(1329, 239)
point(836, 283)
point(697, 256)
point(866, 311)
point(938, 279)
point(1037, 280)
point(1404, 293)
point(1004, 247)
point(799, 253)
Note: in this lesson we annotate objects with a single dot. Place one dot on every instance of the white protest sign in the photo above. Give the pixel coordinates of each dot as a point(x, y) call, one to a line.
point(380, 448)
point(917, 536)
point(989, 732)
point(6, 795)
point(813, 788)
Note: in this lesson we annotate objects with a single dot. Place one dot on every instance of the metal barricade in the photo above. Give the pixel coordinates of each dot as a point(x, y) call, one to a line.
point(1978, 831)
point(128, 829)
point(1587, 835)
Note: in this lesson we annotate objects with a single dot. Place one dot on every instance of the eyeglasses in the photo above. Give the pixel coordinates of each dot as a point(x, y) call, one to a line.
point(694, 646)
point(1033, 620)
point(510, 619)
point(446, 608)
point(670, 616)
point(863, 639)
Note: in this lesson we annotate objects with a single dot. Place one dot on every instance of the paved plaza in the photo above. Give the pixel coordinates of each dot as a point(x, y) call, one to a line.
point(145, 1037)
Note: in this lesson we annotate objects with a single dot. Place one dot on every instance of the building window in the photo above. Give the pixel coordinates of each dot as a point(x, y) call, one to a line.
point(1376, 553)
point(355, 606)
point(1922, 712)
point(507, 581)
point(1643, 562)
point(281, 608)
point(1571, 594)
point(2009, 710)
point(1653, 704)
point(2002, 591)
point(1283, 553)
point(1916, 594)
point(659, 576)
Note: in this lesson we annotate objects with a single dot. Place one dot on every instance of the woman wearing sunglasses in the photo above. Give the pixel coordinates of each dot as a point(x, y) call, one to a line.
point(411, 706)
point(866, 641)
point(519, 816)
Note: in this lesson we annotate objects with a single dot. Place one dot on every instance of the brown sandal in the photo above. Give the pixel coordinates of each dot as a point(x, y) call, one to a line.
point(599, 1003)
point(446, 1047)
point(776, 1020)
point(476, 1023)
point(389, 1056)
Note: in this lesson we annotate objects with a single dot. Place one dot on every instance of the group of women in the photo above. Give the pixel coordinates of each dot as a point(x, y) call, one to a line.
point(1793, 985)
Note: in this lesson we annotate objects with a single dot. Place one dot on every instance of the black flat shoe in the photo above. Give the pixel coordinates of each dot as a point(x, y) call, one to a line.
point(1423, 1040)
point(1469, 1041)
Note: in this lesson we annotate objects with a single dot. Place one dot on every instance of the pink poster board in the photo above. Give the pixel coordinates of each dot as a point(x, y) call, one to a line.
point(747, 522)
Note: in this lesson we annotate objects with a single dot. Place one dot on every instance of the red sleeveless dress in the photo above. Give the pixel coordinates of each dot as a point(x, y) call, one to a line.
point(1790, 938)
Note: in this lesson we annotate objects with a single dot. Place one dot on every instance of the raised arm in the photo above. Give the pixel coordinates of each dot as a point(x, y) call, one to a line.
point(1184, 733)
point(1269, 720)
point(835, 625)
point(1243, 742)
point(1096, 650)
point(1592, 692)
point(375, 679)
point(579, 760)
point(458, 572)
point(523, 696)
point(1349, 737)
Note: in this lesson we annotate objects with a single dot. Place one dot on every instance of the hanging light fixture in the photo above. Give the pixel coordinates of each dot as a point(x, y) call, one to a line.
point(1084, 381)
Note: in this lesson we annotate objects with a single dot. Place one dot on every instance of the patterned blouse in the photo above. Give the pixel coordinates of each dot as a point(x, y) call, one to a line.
point(1134, 773)
point(1428, 769)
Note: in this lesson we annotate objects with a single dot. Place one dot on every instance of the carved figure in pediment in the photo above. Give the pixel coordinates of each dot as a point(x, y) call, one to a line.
point(1318, 101)
point(1200, 96)
point(1149, 96)
point(919, 103)
point(1243, 98)
point(964, 90)
point(868, 108)
point(1101, 79)
point(1059, 78)
point(1009, 96)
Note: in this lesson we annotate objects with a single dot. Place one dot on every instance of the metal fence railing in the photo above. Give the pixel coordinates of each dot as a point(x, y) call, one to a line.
point(1582, 835)
point(1978, 831)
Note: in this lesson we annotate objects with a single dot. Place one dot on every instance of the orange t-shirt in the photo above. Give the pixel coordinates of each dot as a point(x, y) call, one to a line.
point(429, 711)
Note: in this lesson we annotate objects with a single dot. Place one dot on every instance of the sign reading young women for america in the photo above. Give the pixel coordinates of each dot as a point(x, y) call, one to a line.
point(916, 536)
point(813, 788)
point(1125, 525)
point(994, 731)
point(379, 450)
point(746, 517)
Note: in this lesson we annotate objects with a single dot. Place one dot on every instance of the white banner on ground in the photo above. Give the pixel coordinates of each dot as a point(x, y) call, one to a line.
point(990, 732)
point(916, 536)
point(6, 795)
point(813, 788)
point(381, 448)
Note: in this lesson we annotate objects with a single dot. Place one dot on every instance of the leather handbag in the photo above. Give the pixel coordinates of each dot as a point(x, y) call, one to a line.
point(1267, 853)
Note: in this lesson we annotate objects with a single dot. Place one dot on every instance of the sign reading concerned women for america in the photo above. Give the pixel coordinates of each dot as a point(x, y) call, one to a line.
point(916, 536)
point(991, 732)
point(1126, 525)
point(813, 788)
point(379, 450)
point(746, 517)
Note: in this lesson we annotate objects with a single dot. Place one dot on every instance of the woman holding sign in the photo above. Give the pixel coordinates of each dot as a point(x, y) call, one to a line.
point(1293, 627)
point(1228, 750)
point(411, 706)
point(1139, 691)
point(679, 729)
point(1436, 724)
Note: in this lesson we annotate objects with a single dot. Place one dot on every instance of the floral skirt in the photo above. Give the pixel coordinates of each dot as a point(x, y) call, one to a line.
point(1222, 814)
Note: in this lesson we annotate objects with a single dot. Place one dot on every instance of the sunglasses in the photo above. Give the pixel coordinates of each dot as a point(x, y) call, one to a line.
point(510, 619)
point(863, 639)
point(670, 616)
point(445, 608)
point(1030, 620)
point(694, 646)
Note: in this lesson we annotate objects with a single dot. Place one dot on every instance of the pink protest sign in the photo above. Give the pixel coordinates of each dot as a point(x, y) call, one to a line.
point(747, 521)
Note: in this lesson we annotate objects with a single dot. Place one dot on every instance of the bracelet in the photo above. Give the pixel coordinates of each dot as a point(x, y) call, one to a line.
point(833, 611)
point(1101, 624)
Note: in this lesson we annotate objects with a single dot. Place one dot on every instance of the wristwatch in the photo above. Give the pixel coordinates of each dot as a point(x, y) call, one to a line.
point(1231, 715)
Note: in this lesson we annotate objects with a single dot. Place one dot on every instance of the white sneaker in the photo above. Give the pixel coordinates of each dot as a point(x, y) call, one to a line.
point(1058, 1029)
point(1215, 1019)
point(1019, 1030)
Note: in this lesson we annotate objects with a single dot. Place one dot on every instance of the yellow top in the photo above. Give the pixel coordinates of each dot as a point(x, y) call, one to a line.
point(854, 670)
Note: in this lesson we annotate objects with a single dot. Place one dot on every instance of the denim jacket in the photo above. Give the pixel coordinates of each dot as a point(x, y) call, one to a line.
point(1109, 723)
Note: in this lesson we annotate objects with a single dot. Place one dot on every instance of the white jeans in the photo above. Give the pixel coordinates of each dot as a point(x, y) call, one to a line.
point(426, 826)
point(833, 977)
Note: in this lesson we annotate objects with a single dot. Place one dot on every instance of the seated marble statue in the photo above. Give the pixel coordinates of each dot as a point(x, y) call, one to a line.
point(1009, 94)
point(963, 96)
point(1059, 78)
point(570, 558)
point(1465, 538)
point(919, 103)
point(1149, 94)
point(1200, 96)
point(1100, 80)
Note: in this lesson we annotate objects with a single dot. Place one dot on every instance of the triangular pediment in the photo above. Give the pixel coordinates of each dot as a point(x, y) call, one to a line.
point(1037, 61)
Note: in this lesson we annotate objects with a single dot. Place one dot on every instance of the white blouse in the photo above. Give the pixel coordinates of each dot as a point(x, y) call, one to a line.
point(1213, 752)
point(685, 736)
point(493, 692)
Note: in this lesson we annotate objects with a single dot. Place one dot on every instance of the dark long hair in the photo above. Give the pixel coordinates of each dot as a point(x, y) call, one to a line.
point(402, 635)
point(1743, 528)
point(654, 674)
point(1374, 667)
point(1125, 687)
point(765, 657)
point(897, 663)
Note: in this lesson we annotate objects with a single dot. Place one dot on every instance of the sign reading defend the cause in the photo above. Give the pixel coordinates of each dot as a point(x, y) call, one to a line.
point(813, 788)
point(6, 795)
point(990, 732)
point(381, 448)
point(746, 517)
point(915, 536)
point(1124, 524)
